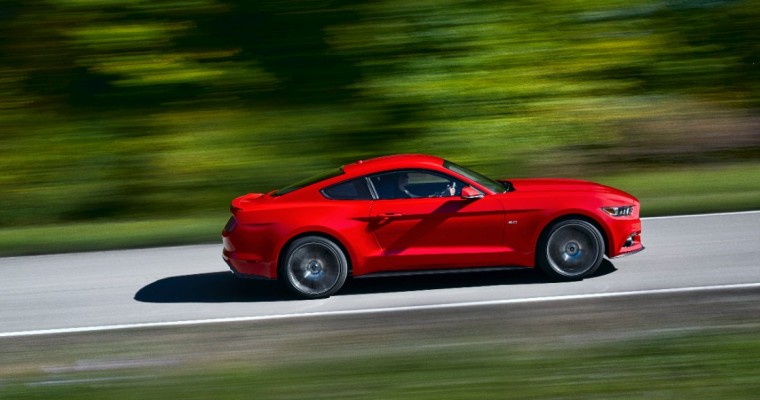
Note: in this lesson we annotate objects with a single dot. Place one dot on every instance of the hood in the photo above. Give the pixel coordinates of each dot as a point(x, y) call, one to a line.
point(567, 185)
point(557, 185)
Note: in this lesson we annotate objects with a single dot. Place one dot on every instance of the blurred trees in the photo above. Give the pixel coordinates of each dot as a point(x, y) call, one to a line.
point(132, 109)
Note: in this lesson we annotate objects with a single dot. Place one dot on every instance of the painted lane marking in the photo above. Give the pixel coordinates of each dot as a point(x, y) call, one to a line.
point(377, 310)
point(703, 215)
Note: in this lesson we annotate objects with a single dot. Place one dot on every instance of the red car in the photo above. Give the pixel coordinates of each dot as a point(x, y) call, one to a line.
point(416, 213)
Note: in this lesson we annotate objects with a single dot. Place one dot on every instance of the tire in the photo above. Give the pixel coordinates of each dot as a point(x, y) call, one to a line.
point(570, 250)
point(314, 267)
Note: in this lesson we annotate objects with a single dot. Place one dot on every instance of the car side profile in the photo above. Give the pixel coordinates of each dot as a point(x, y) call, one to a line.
point(406, 214)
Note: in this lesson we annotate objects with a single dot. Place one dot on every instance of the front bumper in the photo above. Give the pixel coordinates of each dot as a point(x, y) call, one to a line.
point(630, 251)
point(624, 236)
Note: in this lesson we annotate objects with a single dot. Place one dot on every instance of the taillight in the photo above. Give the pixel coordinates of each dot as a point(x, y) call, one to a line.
point(231, 224)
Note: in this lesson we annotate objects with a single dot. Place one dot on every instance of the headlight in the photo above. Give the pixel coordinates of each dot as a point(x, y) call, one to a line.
point(621, 211)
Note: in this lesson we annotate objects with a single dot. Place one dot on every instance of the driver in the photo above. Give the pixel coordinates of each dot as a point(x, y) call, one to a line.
point(403, 192)
point(403, 180)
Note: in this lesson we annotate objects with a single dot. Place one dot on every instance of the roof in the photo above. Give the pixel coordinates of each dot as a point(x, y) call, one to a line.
point(397, 161)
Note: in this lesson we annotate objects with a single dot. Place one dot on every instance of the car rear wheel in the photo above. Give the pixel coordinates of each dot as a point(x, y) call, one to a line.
point(314, 267)
point(570, 250)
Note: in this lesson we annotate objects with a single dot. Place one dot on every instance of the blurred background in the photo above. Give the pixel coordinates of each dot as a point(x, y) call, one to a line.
point(138, 121)
point(134, 123)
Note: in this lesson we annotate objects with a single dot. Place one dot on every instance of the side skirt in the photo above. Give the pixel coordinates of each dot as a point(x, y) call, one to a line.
point(438, 271)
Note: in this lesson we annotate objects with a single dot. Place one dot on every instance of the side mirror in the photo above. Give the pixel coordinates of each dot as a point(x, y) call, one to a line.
point(469, 192)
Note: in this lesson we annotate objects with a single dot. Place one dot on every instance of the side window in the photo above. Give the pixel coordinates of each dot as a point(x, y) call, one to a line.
point(355, 189)
point(414, 184)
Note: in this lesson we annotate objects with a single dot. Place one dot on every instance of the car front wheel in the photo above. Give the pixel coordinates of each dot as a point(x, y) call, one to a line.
point(570, 250)
point(314, 267)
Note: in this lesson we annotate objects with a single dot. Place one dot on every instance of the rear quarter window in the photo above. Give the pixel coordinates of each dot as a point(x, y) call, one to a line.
point(309, 181)
point(355, 189)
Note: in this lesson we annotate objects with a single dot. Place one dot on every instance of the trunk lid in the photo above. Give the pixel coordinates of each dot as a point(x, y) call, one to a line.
point(247, 202)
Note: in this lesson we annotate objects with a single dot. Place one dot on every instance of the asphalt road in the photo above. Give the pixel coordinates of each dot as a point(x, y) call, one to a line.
point(105, 290)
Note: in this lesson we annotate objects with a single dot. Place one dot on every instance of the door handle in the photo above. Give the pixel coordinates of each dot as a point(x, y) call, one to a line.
point(389, 215)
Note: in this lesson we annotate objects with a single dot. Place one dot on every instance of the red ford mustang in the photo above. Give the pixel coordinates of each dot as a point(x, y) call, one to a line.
point(418, 213)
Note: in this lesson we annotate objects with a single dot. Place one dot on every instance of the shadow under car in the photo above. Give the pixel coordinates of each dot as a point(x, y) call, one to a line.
point(224, 287)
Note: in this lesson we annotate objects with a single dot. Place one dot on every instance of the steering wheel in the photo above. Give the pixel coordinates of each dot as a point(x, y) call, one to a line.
point(410, 194)
point(448, 192)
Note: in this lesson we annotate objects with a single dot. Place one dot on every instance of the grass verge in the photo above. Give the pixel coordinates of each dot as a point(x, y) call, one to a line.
point(696, 365)
point(113, 235)
point(694, 190)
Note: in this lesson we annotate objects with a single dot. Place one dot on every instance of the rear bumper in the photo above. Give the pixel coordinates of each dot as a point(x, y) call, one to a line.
point(251, 269)
point(249, 250)
point(246, 264)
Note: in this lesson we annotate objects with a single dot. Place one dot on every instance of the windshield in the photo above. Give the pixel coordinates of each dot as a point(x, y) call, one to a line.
point(309, 181)
point(480, 179)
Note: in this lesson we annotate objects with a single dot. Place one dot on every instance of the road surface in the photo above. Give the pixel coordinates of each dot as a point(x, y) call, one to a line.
point(190, 284)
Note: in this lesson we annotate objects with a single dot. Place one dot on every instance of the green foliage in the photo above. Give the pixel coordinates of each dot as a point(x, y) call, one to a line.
point(123, 110)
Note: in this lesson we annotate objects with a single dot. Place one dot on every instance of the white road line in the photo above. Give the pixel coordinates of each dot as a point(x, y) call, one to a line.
point(703, 215)
point(377, 310)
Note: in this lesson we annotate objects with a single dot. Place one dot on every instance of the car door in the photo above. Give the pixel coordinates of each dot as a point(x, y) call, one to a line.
point(421, 221)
